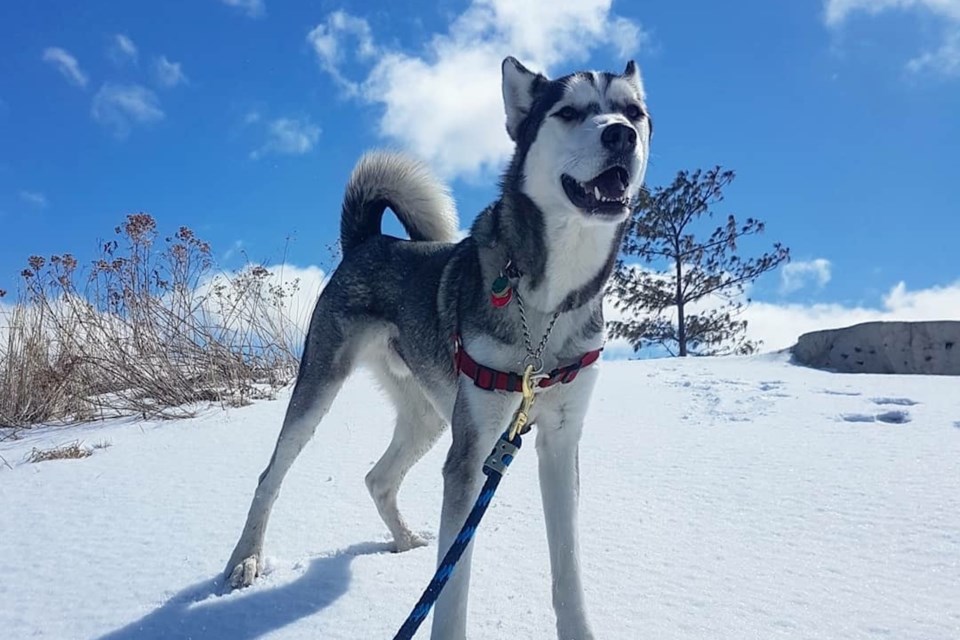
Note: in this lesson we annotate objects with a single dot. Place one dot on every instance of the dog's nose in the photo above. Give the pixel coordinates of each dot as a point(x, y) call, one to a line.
point(619, 137)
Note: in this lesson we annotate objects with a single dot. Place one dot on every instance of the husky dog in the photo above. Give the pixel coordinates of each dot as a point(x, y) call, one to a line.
point(406, 308)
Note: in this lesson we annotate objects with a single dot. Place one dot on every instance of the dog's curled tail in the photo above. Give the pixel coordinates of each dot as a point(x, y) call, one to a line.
point(385, 179)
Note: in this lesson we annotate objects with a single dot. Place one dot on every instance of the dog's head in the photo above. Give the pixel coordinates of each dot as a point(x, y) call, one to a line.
point(582, 140)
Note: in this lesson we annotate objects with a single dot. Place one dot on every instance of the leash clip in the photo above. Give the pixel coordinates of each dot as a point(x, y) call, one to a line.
point(522, 416)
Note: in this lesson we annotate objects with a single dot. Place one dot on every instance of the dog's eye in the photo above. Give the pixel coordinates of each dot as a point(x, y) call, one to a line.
point(633, 112)
point(567, 114)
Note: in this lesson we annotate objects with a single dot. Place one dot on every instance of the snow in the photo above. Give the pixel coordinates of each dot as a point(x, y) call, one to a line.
point(721, 498)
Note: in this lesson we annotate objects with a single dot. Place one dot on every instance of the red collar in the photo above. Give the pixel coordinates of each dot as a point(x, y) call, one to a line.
point(491, 379)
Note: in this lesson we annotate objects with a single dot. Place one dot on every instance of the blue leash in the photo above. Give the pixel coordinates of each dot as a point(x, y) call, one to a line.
point(494, 467)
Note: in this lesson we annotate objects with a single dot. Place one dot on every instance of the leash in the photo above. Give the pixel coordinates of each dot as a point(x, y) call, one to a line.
point(493, 467)
point(502, 292)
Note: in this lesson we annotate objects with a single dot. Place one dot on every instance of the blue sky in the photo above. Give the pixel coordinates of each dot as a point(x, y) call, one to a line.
point(243, 118)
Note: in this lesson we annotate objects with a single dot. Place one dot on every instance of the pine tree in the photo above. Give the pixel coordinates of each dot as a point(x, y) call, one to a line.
point(661, 231)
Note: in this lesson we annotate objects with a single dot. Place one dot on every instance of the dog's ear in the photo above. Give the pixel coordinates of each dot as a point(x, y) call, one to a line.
point(632, 75)
point(519, 85)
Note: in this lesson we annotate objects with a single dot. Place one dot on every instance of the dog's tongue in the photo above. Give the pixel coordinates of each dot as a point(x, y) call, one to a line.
point(611, 184)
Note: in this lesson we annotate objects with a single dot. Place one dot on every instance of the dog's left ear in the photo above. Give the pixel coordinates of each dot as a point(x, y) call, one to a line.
point(632, 74)
point(519, 88)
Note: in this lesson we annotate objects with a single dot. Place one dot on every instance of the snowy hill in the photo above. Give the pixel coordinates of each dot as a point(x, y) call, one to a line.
point(721, 499)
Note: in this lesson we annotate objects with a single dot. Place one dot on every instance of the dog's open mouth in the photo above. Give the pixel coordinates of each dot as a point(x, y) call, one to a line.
point(605, 194)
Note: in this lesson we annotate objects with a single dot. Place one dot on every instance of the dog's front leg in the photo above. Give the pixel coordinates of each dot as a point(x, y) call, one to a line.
point(558, 442)
point(479, 417)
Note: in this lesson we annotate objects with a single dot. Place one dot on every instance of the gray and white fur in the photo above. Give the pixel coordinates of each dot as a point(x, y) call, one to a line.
point(581, 149)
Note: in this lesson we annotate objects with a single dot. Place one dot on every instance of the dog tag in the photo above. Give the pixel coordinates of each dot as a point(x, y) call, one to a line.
point(501, 293)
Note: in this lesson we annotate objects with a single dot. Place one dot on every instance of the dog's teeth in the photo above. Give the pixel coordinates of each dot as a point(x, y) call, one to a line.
point(596, 193)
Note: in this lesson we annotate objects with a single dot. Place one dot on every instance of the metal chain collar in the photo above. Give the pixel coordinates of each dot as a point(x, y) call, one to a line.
point(534, 357)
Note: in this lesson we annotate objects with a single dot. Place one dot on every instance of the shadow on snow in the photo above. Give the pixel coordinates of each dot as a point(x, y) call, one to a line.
point(193, 613)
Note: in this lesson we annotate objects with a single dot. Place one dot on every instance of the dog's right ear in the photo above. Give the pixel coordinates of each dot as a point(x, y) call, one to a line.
point(519, 84)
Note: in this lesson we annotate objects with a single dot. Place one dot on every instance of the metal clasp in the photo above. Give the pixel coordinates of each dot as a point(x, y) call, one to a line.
point(522, 416)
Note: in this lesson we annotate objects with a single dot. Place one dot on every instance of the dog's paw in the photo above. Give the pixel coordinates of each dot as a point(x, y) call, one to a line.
point(244, 573)
point(409, 541)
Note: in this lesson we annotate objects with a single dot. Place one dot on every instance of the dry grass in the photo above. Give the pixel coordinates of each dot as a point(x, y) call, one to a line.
point(72, 451)
point(149, 329)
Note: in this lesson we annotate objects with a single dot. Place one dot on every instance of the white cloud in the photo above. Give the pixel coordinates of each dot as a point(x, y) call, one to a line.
point(779, 326)
point(627, 36)
point(837, 11)
point(310, 281)
point(123, 49)
point(232, 251)
point(799, 274)
point(444, 105)
point(326, 40)
point(34, 198)
point(169, 74)
point(119, 107)
point(66, 64)
point(253, 8)
point(302, 287)
point(289, 136)
point(944, 58)
point(6, 310)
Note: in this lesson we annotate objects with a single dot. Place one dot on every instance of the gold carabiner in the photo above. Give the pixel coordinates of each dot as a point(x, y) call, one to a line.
point(522, 416)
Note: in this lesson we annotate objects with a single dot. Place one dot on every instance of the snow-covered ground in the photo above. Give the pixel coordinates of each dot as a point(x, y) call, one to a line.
point(721, 498)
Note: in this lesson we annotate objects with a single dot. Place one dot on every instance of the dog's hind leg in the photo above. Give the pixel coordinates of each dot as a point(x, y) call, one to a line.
point(417, 429)
point(325, 365)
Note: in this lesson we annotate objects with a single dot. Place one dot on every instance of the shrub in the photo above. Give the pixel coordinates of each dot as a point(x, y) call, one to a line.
point(149, 329)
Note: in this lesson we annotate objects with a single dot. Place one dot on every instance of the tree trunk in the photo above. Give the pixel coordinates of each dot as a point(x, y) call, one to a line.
point(681, 322)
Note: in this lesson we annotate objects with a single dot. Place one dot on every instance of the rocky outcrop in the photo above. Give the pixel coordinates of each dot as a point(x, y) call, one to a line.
point(884, 347)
